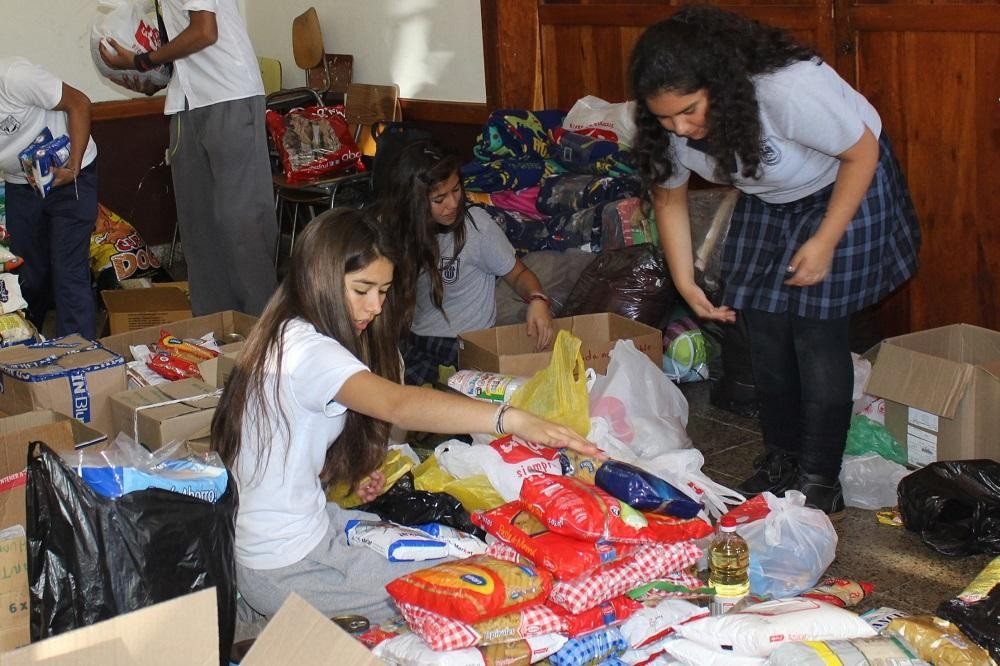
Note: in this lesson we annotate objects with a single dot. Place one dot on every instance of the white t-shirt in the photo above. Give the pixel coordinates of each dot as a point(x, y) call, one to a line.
point(222, 72)
point(809, 115)
point(282, 514)
point(469, 279)
point(28, 94)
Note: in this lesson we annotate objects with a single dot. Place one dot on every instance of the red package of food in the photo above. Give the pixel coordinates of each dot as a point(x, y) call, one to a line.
point(667, 529)
point(172, 367)
point(566, 557)
point(185, 350)
point(612, 611)
point(840, 592)
point(314, 142)
point(474, 589)
point(571, 507)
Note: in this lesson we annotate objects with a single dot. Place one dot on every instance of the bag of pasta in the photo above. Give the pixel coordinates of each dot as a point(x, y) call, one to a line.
point(559, 392)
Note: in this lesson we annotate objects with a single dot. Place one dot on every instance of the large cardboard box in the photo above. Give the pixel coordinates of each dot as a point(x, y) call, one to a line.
point(71, 375)
point(157, 415)
point(185, 631)
point(942, 391)
point(61, 433)
point(509, 350)
point(228, 327)
point(132, 309)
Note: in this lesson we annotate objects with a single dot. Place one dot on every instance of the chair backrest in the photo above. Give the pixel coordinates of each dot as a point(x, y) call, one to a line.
point(341, 68)
point(308, 50)
point(270, 73)
point(365, 105)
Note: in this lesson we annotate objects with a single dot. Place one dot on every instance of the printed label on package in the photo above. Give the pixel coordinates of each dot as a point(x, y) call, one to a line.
point(81, 396)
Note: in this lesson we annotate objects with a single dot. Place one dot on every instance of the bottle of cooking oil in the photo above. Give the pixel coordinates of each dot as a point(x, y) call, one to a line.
point(728, 566)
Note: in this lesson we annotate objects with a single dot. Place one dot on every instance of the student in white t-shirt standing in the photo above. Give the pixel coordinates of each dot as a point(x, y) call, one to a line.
point(51, 234)
point(315, 391)
point(218, 152)
point(825, 225)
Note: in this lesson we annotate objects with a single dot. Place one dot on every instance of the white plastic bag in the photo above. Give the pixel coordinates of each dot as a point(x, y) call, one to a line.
point(505, 462)
point(790, 547)
point(134, 26)
point(642, 405)
point(592, 112)
point(870, 481)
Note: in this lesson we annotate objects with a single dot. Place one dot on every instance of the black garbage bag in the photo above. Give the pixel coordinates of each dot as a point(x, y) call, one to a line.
point(405, 505)
point(91, 558)
point(630, 281)
point(979, 620)
point(954, 506)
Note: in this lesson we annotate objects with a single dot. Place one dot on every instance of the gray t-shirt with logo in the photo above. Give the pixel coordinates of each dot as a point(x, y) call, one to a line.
point(809, 115)
point(469, 280)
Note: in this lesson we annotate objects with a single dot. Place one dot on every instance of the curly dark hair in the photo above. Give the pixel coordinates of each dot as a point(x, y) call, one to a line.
point(706, 48)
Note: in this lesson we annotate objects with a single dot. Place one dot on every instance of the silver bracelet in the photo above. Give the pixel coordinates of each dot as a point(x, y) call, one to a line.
point(498, 419)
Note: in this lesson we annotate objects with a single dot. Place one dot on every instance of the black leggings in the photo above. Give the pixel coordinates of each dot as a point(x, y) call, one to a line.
point(804, 377)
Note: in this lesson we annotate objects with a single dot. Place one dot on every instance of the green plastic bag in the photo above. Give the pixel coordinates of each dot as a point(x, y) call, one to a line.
point(866, 436)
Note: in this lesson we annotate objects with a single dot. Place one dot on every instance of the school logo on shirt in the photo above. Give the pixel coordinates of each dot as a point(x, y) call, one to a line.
point(449, 269)
point(770, 154)
point(9, 125)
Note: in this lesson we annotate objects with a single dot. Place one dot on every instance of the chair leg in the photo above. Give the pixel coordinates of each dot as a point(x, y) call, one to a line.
point(295, 227)
point(279, 209)
point(173, 245)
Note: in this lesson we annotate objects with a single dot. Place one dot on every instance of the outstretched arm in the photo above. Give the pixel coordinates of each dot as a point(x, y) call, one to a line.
point(429, 410)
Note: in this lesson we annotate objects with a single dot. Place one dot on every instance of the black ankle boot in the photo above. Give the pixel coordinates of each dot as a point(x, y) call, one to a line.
point(775, 472)
point(822, 492)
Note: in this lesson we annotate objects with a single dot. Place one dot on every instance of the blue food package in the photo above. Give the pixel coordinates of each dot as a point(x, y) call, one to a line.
point(184, 476)
point(39, 158)
point(644, 491)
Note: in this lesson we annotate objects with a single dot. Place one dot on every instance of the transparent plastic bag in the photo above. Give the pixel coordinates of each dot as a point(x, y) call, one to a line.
point(559, 392)
point(870, 481)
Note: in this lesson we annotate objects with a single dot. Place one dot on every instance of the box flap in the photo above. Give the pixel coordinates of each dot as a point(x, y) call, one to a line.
point(145, 300)
point(180, 631)
point(56, 358)
point(299, 634)
point(227, 327)
point(930, 383)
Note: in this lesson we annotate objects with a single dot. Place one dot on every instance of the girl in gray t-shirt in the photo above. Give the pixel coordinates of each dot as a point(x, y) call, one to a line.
point(824, 226)
point(454, 255)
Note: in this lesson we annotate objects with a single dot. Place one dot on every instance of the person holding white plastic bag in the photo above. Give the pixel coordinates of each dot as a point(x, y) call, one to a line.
point(218, 152)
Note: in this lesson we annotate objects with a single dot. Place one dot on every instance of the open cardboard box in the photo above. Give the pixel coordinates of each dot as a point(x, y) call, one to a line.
point(942, 391)
point(156, 305)
point(61, 433)
point(509, 350)
point(185, 631)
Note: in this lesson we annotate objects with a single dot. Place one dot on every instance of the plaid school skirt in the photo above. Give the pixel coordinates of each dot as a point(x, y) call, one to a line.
point(877, 253)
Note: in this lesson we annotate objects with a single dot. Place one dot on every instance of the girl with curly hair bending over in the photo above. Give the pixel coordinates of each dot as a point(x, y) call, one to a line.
point(311, 401)
point(824, 225)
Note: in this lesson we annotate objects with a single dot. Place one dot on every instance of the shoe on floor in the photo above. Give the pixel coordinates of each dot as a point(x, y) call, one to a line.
point(822, 492)
point(775, 471)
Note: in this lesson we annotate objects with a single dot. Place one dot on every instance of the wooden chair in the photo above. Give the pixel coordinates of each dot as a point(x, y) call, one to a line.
point(365, 105)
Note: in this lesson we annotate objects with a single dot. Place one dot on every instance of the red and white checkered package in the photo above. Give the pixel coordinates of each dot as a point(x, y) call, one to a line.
point(648, 563)
point(445, 633)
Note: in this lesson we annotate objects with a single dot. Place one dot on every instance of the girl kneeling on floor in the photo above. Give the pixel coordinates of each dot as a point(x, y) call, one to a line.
point(312, 400)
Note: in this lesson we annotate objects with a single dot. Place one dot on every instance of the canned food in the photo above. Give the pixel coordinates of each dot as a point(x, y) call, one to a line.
point(352, 624)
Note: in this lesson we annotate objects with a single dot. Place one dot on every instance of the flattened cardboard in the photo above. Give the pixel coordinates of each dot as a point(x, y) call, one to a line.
point(141, 413)
point(61, 433)
point(224, 325)
point(942, 388)
point(301, 635)
point(71, 375)
point(180, 631)
point(509, 349)
point(133, 309)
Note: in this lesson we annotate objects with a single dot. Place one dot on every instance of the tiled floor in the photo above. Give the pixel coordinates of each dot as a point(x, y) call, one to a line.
point(907, 575)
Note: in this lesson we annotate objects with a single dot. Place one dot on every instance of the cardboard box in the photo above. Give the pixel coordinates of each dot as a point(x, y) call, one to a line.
point(70, 375)
point(217, 370)
point(61, 433)
point(157, 415)
point(229, 326)
point(185, 631)
point(941, 389)
point(132, 309)
point(509, 350)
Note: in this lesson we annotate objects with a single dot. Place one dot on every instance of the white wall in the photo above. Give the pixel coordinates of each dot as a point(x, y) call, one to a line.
point(432, 48)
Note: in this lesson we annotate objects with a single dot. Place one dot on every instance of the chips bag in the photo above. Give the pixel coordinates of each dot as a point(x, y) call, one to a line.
point(313, 142)
point(118, 252)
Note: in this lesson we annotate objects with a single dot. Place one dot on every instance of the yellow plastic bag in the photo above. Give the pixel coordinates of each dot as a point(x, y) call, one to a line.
point(476, 493)
point(396, 464)
point(559, 392)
